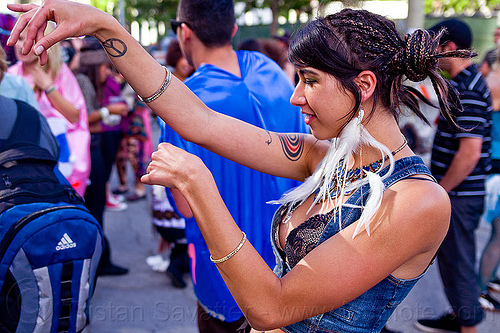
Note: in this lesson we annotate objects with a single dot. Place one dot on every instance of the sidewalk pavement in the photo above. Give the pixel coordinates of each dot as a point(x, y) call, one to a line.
point(145, 301)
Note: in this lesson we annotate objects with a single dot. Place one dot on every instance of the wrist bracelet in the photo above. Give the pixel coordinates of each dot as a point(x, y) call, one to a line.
point(161, 90)
point(103, 112)
point(240, 245)
point(50, 89)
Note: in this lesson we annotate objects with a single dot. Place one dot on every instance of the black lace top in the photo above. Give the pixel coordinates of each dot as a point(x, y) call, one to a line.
point(301, 240)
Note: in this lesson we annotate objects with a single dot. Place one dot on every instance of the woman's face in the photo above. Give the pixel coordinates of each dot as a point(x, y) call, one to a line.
point(24, 58)
point(183, 67)
point(104, 72)
point(324, 102)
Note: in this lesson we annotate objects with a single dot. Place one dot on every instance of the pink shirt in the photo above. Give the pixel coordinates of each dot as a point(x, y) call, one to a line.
point(78, 133)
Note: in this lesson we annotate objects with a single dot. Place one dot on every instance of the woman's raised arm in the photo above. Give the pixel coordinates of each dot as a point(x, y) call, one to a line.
point(278, 154)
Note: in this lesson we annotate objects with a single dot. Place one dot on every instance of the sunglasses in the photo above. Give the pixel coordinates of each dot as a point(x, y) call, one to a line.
point(176, 24)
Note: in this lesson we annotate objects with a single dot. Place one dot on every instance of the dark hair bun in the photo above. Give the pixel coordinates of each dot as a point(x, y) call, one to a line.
point(417, 57)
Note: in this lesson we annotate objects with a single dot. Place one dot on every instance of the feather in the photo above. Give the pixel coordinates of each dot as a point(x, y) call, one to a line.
point(372, 203)
point(335, 165)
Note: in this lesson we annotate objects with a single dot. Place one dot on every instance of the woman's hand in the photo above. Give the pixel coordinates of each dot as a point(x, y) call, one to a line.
point(72, 20)
point(174, 168)
point(41, 78)
point(118, 108)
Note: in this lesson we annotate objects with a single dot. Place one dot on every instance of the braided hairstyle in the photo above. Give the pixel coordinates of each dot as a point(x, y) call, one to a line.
point(351, 41)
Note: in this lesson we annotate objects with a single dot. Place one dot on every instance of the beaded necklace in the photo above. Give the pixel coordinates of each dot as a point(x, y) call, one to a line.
point(352, 176)
point(357, 173)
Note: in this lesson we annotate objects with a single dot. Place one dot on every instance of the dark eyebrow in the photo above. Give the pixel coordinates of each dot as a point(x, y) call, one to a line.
point(308, 71)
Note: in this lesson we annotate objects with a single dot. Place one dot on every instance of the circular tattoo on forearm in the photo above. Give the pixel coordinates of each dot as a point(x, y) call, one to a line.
point(115, 47)
point(292, 145)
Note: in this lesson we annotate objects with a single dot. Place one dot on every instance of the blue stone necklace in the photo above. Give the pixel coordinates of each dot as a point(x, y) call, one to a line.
point(356, 174)
point(352, 176)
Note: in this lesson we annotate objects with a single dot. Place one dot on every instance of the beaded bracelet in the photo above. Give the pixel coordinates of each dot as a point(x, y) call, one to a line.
point(50, 89)
point(161, 90)
point(240, 245)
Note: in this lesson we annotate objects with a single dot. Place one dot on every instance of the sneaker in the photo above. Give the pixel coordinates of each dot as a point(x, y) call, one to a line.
point(120, 190)
point(113, 204)
point(117, 197)
point(136, 196)
point(445, 324)
point(489, 303)
point(494, 285)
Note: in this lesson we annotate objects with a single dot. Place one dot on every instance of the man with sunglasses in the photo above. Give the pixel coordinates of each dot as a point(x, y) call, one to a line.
point(253, 88)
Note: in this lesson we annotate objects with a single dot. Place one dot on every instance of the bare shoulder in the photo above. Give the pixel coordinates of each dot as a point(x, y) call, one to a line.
point(421, 207)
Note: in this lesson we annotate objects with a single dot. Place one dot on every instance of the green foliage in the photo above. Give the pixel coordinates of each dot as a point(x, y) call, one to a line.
point(102, 4)
point(283, 6)
point(151, 10)
point(470, 7)
point(142, 10)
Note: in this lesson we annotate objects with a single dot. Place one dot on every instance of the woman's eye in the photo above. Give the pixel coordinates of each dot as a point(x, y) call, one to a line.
point(309, 81)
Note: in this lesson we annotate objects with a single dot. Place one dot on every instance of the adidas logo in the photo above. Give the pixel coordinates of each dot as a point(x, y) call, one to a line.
point(65, 243)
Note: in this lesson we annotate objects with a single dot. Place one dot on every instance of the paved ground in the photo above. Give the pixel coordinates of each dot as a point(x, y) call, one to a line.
point(144, 300)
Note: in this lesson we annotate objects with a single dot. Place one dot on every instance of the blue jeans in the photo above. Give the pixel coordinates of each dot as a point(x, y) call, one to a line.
point(457, 258)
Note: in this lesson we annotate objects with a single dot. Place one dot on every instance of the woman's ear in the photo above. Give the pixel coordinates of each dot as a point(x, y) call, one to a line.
point(367, 82)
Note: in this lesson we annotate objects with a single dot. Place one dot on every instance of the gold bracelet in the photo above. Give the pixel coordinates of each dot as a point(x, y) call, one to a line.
point(240, 245)
point(161, 90)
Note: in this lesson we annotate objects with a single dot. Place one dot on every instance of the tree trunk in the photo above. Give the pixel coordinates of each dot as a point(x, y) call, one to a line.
point(274, 23)
point(416, 14)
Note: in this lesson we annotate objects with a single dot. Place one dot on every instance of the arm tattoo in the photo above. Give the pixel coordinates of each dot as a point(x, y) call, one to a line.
point(115, 47)
point(270, 138)
point(292, 145)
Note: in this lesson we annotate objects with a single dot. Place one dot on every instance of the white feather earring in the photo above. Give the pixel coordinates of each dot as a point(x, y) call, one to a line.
point(332, 179)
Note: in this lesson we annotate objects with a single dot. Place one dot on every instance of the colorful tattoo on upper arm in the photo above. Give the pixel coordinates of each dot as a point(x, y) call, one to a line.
point(115, 47)
point(292, 145)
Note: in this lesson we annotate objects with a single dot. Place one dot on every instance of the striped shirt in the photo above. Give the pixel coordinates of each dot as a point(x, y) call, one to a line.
point(476, 120)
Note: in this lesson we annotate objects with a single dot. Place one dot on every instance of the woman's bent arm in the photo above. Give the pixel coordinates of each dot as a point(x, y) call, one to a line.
point(405, 236)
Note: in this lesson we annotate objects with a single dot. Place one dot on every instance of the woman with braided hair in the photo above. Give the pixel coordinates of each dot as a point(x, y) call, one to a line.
point(356, 236)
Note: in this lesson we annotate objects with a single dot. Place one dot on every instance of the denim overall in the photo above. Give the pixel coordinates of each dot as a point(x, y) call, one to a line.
point(370, 311)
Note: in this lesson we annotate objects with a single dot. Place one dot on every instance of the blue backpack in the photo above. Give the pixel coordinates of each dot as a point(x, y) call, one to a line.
point(50, 245)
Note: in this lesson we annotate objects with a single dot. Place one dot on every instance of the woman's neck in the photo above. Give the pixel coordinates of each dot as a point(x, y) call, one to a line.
point(383, 128)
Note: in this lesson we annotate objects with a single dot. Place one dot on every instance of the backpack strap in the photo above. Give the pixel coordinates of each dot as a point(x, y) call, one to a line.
point(24, 140)
point(27, 125)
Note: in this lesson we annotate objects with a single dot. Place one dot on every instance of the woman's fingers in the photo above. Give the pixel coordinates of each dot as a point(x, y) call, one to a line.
point(72, 19)
point(21, 22)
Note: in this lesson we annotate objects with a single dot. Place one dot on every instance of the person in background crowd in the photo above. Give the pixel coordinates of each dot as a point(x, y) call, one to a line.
point(490, 258)
point(13, 86)
point(250, 44)
point(95, 69)
point(136, 144)
point(460, 162)
point(491, 56)
point(61, 101)
point(166, 217)
point(7, 22)
point(175, 59)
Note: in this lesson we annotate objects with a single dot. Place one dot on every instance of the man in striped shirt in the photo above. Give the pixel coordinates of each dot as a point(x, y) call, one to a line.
point(460, 161)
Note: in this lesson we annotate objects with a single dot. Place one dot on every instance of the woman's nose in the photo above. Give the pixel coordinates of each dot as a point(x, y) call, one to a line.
point(298, 98)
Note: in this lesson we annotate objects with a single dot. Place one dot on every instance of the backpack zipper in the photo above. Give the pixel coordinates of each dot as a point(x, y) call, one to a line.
point(8, 183)
point(69, 191)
